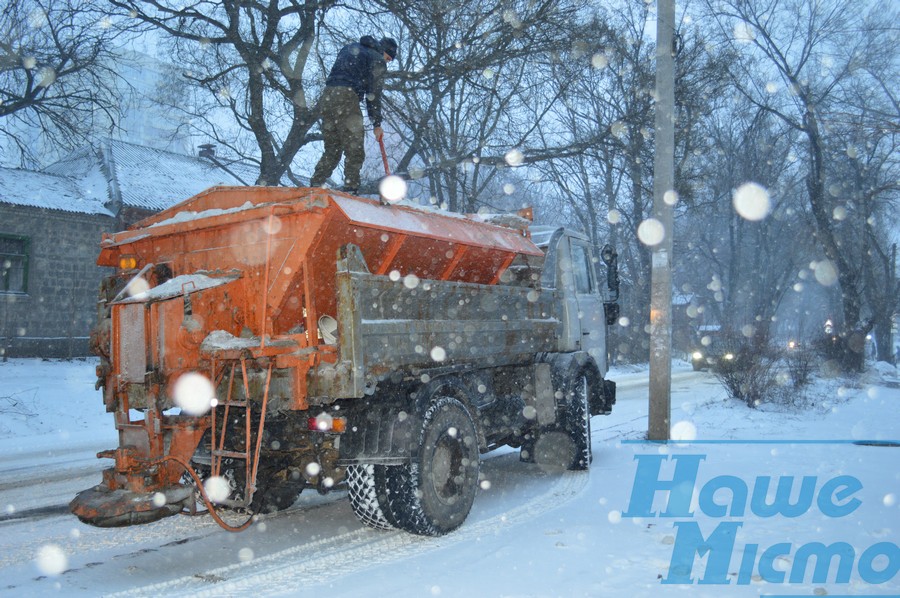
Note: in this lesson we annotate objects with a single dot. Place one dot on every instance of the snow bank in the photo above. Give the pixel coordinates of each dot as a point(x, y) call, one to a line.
point(51, 401)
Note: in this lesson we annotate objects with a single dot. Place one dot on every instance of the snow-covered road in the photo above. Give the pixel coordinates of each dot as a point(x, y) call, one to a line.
point(40, 482)
point(530, 533)
point(39, 479)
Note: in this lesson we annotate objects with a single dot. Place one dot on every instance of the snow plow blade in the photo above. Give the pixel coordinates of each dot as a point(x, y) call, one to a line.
point(101, 507)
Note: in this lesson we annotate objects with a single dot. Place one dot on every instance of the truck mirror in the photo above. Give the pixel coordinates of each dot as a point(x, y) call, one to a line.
point(611, 259)
point(612, 313)
point(608, 254)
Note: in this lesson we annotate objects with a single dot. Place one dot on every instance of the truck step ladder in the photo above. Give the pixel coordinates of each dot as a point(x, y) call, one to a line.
point(227, 447)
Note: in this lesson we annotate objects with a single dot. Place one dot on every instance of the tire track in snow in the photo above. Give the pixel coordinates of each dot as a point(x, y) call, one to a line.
point(41, 478)
point(36, 513)
point(320, 561)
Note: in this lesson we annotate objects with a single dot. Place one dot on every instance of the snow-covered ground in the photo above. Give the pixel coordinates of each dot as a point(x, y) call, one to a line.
point(530, 533)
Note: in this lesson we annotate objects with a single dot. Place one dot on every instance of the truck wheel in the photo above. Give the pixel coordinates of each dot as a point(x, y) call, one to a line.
point(368, 495)
point(433, 494)
point(567, 443)
point(577, 422)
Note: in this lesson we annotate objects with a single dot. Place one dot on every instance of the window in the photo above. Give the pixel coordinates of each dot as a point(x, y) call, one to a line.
point(581, 264)
point(13, 264)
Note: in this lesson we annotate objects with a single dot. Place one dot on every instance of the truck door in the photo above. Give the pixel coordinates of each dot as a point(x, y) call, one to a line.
point(591, 314)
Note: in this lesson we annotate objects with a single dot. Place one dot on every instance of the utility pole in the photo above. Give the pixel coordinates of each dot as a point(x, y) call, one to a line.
point(895, 356)
point(663, 201)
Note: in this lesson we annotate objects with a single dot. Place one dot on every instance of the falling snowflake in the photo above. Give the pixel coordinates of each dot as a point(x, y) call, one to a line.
point(51, 560)
point(392, 188)
point(514, 157)
point(752, 201)
point(651, 232)
point(194, 393)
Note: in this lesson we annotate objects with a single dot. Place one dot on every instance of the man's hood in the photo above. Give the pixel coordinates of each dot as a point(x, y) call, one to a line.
point(370, 42)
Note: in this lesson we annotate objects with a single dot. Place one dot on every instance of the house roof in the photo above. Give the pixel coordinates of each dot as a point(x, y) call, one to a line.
point(85, 195)
point(149, 178)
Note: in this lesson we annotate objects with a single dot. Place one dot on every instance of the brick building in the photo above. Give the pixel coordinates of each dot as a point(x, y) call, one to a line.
point(51, 223)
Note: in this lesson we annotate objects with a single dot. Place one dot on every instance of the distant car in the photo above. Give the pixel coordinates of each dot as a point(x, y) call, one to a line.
point(710, 357)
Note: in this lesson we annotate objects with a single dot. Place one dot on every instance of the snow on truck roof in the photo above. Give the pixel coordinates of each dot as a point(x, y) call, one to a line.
point(405, 217)
point(541, 234)
point(458, 228)
point(190, 216)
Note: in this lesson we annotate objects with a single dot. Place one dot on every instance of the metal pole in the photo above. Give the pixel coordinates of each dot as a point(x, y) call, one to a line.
point(895, 358)
point(660, 412)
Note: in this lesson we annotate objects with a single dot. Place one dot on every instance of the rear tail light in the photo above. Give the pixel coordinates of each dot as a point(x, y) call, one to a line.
point(326, 423)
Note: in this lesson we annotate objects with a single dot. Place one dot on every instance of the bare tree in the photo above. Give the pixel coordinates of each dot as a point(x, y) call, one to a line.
point(883, 292)
point(463, 69)
point(57, 75)
point(248, 59)
point(799, 57)
point(866, 168)
point(472, 88)
point(604, 86)
point(610, 104)
point(864, 182)
point(739, 271)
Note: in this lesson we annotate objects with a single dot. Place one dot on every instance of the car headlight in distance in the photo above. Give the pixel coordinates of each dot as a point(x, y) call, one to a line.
point(697, 355)
point(729, 356)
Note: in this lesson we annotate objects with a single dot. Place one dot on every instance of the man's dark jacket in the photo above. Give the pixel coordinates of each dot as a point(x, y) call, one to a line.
point(361, 67)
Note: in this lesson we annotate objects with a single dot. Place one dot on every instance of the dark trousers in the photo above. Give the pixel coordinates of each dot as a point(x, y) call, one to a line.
point(342, 127)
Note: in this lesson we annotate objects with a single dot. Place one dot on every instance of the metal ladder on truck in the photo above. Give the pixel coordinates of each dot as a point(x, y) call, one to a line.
point(220, 450)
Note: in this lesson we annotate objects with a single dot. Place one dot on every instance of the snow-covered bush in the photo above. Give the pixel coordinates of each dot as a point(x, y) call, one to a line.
point(800, 365)
point(751, 375)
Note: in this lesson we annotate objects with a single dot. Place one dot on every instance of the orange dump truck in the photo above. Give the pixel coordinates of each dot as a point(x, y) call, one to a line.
point(255, 342)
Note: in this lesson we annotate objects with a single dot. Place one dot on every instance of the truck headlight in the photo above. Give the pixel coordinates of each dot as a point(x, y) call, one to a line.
point(697, 355)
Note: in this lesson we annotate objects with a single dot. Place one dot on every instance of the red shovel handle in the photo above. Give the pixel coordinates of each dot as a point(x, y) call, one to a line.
point(387, 169)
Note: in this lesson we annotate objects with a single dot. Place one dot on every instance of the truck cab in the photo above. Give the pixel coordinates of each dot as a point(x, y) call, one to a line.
point(588, 306)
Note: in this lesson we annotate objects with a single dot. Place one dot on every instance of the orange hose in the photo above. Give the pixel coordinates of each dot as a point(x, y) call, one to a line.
point(209, 505)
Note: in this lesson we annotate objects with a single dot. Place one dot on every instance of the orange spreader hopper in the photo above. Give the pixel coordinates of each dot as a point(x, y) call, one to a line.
point(275, 252)
point(283, 243)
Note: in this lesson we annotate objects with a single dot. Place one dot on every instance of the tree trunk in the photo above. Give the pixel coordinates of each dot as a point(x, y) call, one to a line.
point(641, 277)
point(852, 336)
point(882, 332)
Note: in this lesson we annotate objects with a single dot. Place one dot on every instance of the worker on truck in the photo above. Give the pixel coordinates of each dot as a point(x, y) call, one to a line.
point(357, 76)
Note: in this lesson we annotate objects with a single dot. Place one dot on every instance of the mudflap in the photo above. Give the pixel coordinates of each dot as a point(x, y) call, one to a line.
point(603, 397)
point(102, 507)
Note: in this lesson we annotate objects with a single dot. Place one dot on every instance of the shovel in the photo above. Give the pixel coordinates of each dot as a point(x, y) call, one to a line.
point(387, 169)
